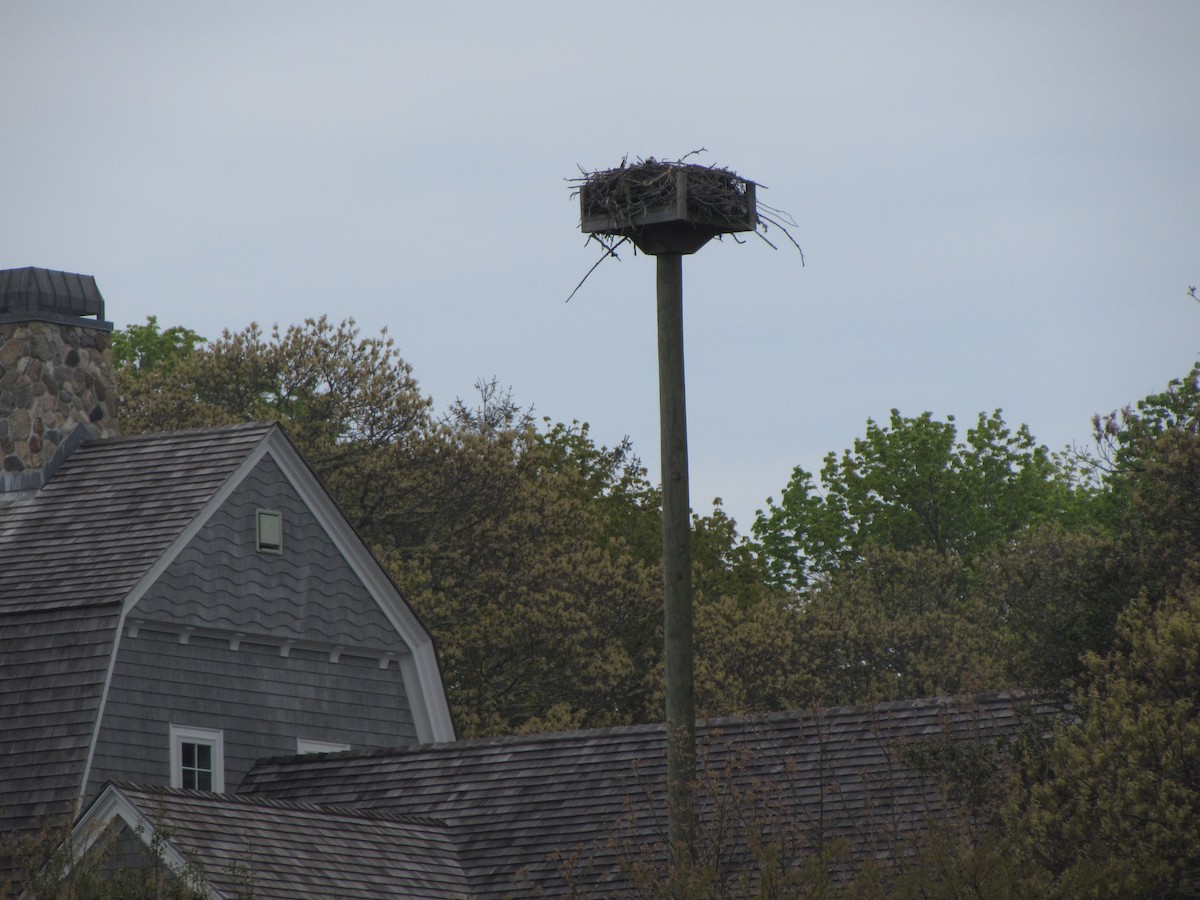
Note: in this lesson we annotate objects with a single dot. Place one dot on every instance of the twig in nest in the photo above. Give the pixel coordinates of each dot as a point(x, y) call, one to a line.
point(609, 250)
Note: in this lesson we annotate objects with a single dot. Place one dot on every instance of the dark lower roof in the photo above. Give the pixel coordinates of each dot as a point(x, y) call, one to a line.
point(52, 670)
point(297, 851)
point(549, 812)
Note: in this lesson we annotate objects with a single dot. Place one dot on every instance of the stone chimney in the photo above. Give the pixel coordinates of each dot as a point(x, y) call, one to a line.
point(56, 372)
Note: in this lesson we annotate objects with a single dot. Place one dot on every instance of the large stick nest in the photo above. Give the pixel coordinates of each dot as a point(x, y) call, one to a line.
point(630, 191)
point(716, 196)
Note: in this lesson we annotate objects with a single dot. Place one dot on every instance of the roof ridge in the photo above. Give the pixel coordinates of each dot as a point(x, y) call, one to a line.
point(263, 425)
point(270, 802)
point(710, 725)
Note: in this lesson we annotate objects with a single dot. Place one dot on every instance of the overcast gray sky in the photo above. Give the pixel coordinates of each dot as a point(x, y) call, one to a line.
point(999, 203)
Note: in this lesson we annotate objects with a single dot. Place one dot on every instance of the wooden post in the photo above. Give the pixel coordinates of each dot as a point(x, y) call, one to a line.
point(677, 572)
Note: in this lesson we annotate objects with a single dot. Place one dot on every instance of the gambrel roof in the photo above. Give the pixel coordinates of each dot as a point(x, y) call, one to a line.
point(76, 555)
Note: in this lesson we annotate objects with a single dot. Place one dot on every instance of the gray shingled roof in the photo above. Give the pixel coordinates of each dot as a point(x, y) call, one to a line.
point(293, 851)
point(542, 810)
point(70, 554)
point(109, 512)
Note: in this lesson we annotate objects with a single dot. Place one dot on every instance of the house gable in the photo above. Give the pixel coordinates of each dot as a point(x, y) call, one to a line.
point(132, 519)
point(307, 593)
point(238, 847)
point(312, 642)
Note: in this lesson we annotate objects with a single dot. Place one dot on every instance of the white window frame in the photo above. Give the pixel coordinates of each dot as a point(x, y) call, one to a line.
point(276, 516)
point(304, 745)
point(189, 734)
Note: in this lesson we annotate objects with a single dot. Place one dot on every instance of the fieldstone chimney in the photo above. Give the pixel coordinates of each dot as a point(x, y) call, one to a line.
point(56, 372)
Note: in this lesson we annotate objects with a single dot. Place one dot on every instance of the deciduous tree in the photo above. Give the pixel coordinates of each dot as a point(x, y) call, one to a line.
point(1114, 807)
point(911, 484)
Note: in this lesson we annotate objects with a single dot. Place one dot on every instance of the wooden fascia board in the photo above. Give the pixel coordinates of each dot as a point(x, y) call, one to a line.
point(420, 669)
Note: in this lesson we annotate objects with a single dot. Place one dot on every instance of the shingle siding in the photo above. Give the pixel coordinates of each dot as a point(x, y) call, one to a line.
point(306, 593)
point(261, 700)
point(78, 551)
point(111, 510)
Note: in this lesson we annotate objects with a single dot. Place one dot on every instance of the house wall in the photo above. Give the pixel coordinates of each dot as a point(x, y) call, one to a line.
point(265, 647)
point(261, 700)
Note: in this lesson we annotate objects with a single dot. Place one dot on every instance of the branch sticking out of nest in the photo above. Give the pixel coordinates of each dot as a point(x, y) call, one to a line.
point(630, 201)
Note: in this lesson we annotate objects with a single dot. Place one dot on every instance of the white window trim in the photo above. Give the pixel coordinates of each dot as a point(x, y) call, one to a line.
point(214, 737)
point(259, 516)
point(304, 745)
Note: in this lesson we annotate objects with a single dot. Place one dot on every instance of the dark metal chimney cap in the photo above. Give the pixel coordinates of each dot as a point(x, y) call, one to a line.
point(33, 294)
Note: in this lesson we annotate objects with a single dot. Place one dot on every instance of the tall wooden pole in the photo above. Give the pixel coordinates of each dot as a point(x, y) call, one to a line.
point(677, 571)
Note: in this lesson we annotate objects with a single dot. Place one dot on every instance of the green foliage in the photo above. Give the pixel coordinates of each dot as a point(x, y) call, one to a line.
point(1056, 595)
point(912, 485)
point(1113, 809)
point(1124, 437)
point(337, 392)
point(146, 348)
point(898, 624)
point(55, 863)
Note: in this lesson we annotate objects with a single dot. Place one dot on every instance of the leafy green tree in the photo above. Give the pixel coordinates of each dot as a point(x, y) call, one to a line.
point(144, 348)
point(545, 618)
point(1124, 437)
point(911, 485)
point(1113, 809)
point(897, 624)
point(335, 391)
point(1057, 595)
point(349, 402)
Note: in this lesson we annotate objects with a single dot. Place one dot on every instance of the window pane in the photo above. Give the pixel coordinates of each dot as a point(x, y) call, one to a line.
point(189, 778)
point(203, 757)
point(189, 756)
point(204, 781)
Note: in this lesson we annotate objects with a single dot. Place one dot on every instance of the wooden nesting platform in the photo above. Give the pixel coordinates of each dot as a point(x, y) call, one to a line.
point(667, 207)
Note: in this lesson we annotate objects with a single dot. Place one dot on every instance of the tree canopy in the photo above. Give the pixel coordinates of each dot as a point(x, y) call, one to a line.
point(912, 484)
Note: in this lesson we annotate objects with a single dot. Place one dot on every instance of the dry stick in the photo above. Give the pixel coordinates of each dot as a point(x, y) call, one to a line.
point(609, 251)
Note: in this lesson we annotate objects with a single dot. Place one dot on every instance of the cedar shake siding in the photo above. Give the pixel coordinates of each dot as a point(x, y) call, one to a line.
point(261, 700)
point(307, 593)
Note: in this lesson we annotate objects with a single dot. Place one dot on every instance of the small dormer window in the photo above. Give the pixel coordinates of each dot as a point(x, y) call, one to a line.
point(197, 758)
point(269, 531)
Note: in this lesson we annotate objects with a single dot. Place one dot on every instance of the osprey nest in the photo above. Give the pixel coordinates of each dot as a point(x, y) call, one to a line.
point(671, 206)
